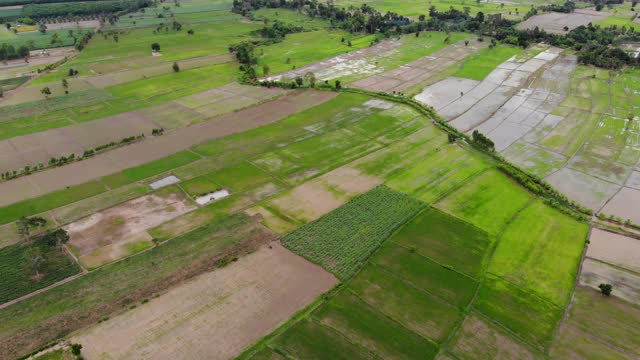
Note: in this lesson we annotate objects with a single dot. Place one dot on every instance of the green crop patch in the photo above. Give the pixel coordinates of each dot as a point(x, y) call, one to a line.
point(310, 340)
point(541, 250)
point(137, 173)
point(426, 275)
point(50, 201)
point(488, 201)
point(342, 240)
point(438, 172)
point(484, 61)
point(419, 311)
point(447, 240)
point(529, 316)
point(363, 325)
point(26, 268)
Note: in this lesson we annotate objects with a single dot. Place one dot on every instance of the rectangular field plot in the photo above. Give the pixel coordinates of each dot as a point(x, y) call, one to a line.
point(419, 271)
point(480, 338)
point(343, 239)
point(311, 340)
point(570, 343)
point(529, 316)
point(608, 319)
point(489, 201)
point(540, 250)
point(615, 249)
point(484, 61)
point(446, 239)
point(120, 231)
point(437, 173)
point(363, 325)
point(210, 315)
point(414, 308)
point(18, 277)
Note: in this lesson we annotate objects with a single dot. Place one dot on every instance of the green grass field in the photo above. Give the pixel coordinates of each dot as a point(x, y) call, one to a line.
point(489, 201)
point(540, 250)
point(415, 8)
point(447, 240)
point(480, 64)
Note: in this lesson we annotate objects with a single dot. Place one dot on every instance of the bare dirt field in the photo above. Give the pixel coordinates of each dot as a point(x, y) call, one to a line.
point(214, 316)
point(421, 71)
point(614, 249)
point(626, 285)
point(118, 231)
point(158, 147)
point(555, 23)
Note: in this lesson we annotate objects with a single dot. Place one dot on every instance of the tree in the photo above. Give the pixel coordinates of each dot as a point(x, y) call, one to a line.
point(42, 28)
point(338, 85)
point(175, 67)
point(76, 349)
point(45, 91)
point(35, 258)
point(55, 38)
point(65, 85)
point(605, 289)
point(190, 31)
point(155, 47)
point(299, 81)
point(310, 79)
point(265, 70)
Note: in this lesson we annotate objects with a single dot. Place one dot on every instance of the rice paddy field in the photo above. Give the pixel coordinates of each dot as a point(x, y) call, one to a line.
point(273, 223)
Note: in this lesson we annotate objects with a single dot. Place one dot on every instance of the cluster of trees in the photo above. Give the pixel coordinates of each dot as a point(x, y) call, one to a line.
point(83, 8)
point(596, 45)
point(481, 140)
point(9, 52)
point(39, 245)
point(567, 7)
point(362, 19)
point(278, 30)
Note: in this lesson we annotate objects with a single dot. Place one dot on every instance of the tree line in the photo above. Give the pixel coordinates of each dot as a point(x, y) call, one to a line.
point(83, 8)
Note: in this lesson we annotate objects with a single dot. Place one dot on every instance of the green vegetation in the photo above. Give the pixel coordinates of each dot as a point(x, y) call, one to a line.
point(26, 268)
point(540, 250)
point(489, 201)
point(447, 240)
point(343, 239)
point(479, 65)
point(530, 317)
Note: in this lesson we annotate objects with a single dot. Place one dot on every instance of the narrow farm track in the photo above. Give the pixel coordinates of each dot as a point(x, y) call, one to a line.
point(156, 148)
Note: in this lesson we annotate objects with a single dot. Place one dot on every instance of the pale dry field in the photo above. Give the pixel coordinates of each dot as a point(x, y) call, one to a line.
point(109, 234)
point(214, 316)
point(626, 285)
point(614, 249)
point(554, 22)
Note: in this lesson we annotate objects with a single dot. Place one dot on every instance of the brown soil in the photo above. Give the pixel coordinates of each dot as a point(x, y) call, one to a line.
point(124, 221)
point(216, 315)
point(614, 249)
